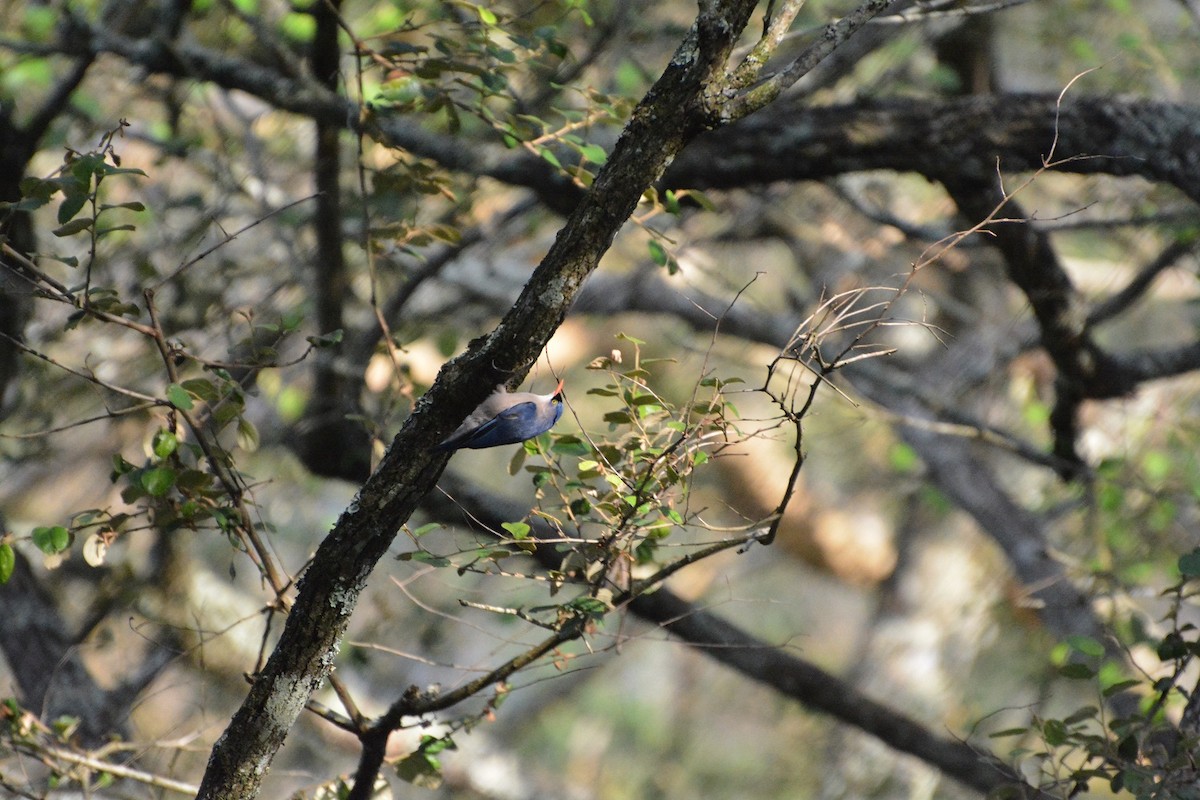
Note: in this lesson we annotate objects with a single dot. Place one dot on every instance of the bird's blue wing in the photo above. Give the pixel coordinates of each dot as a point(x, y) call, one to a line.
point(515, 424)
point(504, 428)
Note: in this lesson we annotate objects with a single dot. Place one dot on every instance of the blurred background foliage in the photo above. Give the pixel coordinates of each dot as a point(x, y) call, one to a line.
point(153, 188)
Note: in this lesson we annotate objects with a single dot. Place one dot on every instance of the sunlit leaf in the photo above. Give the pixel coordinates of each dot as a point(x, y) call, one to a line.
point(518, 530)
point(8, 562)
point(179, 397)
point(298, 27)
point(1086, 645)
point(164, 444)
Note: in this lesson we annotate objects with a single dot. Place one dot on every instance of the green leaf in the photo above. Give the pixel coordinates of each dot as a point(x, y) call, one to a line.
point(247, 435)
point(424, 558)
point(179, 397)
point(550, 157)
point(571, 446)
point(518, 460)
point(1120, 686)
point(645, 400)
point(39, 23)
point(699, 198)
point(658, 254)
point(132, 205)
point(51, 540)
point(420, 769)
point(1055, 732)
point(74, 226)
point(1086, 645)
point(1127, 748)
point(519, 530)
point(298, 27)
point(1008, 732)
point(591, 606)
point(157, 481)
point(1171, 647)
point(327, 339)
point(71, 205)
point(428, 527)
point(1189, 564)
point(902, 458)
point(540, 477)
point(101, 232)
point(594, 153)
point(199, 387)
point(432, 746)
point(8, 562)
point(1076, 672)
point(1081, 715)
point(164, 444)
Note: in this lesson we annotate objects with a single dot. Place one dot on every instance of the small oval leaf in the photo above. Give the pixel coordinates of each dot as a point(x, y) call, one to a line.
point(8, 562)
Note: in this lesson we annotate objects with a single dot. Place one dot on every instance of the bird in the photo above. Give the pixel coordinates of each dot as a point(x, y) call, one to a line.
point(506, 418)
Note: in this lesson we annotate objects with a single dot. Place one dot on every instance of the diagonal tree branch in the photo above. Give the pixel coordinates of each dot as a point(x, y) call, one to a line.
point(669, 115)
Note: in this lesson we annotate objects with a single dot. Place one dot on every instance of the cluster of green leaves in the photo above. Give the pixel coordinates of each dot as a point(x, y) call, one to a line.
point(619, 499)
point(634, 485)
point(189, 478)
point(1139, 497)
point(174, 488)
point(77, 182)
point(1131, 739)
point(615, 504)
point(475, 69)
point(435, 65)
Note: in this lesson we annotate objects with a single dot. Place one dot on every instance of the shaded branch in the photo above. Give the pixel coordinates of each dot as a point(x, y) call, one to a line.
point(1141, 282)
point(964, 137)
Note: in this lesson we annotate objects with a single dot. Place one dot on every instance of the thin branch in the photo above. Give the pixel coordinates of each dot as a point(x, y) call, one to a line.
point(111, 768)
point(1141, 282)
point(87, 376)
point(175, 273)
